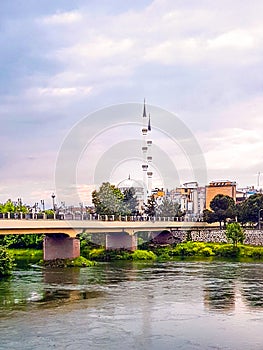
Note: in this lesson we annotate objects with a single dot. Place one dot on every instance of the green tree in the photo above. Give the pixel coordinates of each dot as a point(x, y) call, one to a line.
point(223, 208)
point(13, 207)
point(248, 211)
point(168, 208)
point(150, 208)
point(108, 200)
point(130, 202)
point(22, 241)
point(8, 207)
point(235, 233)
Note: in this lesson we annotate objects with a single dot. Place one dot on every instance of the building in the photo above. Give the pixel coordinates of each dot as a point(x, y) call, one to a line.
point(191, 198)
point(227, 188)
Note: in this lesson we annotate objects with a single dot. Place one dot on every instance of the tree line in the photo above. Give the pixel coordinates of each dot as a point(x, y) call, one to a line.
point(109, 200)
point(224, 209)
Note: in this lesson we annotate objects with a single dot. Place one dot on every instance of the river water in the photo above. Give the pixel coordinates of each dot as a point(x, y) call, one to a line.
point(128, 305)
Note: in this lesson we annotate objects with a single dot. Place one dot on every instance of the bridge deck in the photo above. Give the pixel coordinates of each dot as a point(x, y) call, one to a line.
point(73, 227)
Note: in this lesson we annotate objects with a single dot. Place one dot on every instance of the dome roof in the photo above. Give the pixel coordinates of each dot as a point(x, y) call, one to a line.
point(129, 183)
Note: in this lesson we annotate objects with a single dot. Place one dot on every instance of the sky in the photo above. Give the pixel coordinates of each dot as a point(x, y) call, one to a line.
point(65, 64)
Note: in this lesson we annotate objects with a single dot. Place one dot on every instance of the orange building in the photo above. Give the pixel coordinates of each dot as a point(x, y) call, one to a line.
point(227, 188)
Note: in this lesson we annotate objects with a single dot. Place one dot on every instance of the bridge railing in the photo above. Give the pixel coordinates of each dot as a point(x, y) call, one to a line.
point(97, 217)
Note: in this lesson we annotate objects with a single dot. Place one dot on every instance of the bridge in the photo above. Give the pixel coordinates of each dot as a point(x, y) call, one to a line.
point(61, 242)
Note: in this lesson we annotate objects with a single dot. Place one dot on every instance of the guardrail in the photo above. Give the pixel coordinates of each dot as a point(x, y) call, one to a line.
point(91, 217)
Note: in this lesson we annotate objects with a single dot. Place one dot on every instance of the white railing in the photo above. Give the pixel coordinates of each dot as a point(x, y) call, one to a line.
point(90, 217)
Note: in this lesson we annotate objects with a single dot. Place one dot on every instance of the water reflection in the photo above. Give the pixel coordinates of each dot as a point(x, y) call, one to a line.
point(172, 305)
point(251, 286)
point(222, 285)
point(228, 286)
point(219, 287)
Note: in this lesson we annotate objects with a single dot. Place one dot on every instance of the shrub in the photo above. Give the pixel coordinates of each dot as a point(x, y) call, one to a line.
point(207, 251)
point(143, 255)
point(97, 254)
point(164, 257)
point(226, 250)
point(6, 262)
point(80, 262)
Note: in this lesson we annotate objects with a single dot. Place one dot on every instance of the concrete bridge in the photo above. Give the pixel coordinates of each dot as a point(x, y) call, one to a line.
point(61, 240)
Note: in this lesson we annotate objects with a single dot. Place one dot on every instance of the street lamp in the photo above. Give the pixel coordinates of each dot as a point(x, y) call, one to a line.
point(53, 201)
point(259, 221)
point(43, 204)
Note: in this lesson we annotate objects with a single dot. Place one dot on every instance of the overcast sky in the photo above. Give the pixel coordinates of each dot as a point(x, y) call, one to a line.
point(63, 60)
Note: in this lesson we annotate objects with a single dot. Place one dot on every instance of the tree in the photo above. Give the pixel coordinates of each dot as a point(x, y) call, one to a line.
point(248, 211)
point(235, 233)
point(150, 208)
point(13, 207)
point(209, 216)
point(168, 208)
point(22, 241)
point(223, 208)
point(108, 200)
point(130, 202)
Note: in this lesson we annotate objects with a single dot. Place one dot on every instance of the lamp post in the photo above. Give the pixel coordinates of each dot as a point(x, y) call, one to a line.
point(53, 201)
point(43, 204)
point(259, 221)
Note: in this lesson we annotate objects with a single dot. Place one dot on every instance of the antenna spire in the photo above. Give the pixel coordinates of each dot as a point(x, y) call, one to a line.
point(144, 110)
point(149, 123)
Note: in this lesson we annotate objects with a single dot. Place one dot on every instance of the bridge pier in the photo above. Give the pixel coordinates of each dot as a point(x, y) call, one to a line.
point(121, 240)
point(60, 246)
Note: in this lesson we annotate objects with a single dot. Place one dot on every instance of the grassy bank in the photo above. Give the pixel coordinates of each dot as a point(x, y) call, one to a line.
point(179, 251)
point(28, 253)
point(24, 257)
point(183, 250)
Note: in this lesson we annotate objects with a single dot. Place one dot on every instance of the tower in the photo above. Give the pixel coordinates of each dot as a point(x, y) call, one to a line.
point(147, 154)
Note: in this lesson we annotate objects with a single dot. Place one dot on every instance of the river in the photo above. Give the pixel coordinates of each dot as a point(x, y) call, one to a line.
point(128, 305)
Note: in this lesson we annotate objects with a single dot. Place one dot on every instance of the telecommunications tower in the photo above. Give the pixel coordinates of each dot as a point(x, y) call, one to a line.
point(147, 154)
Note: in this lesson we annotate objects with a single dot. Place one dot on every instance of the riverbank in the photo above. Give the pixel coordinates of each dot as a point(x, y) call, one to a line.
point(182, 250)
point(193, 250)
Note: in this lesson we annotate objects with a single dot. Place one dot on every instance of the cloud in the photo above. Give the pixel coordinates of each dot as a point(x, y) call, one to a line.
point(62, 18)
point(236, 39)
point(202, 59)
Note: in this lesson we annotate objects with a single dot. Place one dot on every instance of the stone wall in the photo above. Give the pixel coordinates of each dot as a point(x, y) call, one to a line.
point(252, 237)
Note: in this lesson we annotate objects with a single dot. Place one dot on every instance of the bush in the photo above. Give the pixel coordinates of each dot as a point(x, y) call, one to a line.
point(164, 256)
point(226, 250)
point(6, 262)
point(251, 252)
point(80, 262)
point(143, 255)
point(97, 254)
point(193, 249)
point(77, 262)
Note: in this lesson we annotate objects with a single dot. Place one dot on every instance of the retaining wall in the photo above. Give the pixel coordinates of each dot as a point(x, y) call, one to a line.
point(252, 237)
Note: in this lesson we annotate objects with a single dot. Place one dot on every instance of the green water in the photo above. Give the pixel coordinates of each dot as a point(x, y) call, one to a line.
point(128, 305)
